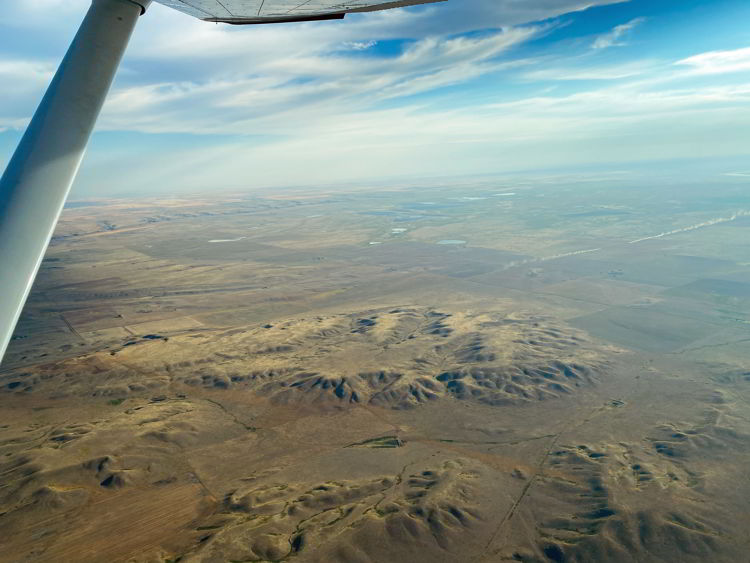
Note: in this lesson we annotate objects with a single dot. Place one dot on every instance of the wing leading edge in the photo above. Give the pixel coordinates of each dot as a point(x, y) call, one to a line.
point(244, 12)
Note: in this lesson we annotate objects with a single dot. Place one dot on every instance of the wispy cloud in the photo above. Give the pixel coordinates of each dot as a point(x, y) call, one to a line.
point(718, 62)
point(615, 37)
point(561, 72)
point(307, 89)
point(360, 45)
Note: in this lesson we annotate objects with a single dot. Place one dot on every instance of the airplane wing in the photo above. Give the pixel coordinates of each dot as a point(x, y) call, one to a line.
point(244, 12)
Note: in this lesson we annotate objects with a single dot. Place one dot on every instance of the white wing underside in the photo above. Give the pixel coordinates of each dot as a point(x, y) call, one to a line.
point(276, 11)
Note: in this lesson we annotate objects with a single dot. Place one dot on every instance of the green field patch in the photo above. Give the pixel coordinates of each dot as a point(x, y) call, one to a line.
point(381, 442)
point(645, 328)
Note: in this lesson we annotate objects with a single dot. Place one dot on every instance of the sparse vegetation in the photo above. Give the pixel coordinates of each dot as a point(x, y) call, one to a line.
point(381, 442)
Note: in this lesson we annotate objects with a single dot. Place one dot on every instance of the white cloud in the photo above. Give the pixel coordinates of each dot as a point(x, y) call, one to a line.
point(614, 37)
point(718, 62)
point(173, 56)
point(593, 72)
point(22, 73)
point(302, 91)
point(360, 45)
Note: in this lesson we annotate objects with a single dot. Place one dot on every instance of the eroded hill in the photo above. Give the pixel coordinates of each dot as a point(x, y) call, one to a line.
point(394, 358)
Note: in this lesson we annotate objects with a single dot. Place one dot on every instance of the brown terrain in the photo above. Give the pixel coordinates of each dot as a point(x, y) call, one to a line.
point(253, 380)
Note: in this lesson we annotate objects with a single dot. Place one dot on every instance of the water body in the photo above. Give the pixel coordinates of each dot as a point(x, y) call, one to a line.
point(451, 241)
point(598, 213)
point(429, 205)
point(409, 218)
point(228, 239)
point(379, 213)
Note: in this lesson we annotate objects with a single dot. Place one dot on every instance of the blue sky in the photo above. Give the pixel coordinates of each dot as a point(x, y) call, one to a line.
point(465, 87)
